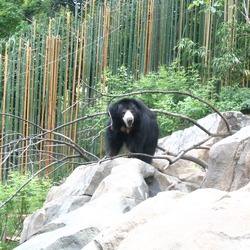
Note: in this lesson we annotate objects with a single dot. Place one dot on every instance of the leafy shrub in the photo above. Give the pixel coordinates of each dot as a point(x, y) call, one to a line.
point(170, 78)
point(233, 98)
point(25, 202)
point(178, 78)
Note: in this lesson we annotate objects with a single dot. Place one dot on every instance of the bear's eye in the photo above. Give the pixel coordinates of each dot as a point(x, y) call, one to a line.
point(123, 112)
point(132, 111)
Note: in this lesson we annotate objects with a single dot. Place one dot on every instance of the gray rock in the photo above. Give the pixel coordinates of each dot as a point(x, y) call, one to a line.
point(115, 187)
point(229, 166)
point(73, 193)
point(204, 219)
point(184, 139)
point(183, 170)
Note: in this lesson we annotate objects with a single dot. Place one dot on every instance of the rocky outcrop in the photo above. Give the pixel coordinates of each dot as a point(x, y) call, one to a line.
point(204, 219)
point(97, 195)
point(184, 139)
point(229, 162)
point(128, 204)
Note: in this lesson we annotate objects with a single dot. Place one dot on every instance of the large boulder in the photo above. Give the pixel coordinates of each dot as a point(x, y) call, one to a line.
point(105, 191)
point(229, 162)
point(204, 219)
point(95, 195)
point(227, 158)
point(72, 194)
point(184, 139)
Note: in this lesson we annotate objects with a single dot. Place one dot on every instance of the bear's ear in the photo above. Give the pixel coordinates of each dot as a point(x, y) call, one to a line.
point(112, 109)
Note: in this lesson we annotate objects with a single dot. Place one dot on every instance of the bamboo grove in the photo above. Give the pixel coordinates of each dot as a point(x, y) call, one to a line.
point(49, 73)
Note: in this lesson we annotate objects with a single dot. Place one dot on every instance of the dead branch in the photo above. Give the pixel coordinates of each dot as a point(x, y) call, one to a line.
point(36, 139)
point(177, 93)
point(163, 157)
point(129, 154)
point(32, 177)
point(22, 119)
point(182, 117)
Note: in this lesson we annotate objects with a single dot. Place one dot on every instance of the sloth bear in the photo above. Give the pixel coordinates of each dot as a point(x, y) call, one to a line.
point(131, 123)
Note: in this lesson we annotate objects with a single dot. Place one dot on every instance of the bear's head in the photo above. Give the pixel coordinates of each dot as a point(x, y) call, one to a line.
point(124, 114)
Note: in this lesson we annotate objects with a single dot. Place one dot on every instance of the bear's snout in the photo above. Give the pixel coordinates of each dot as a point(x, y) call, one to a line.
point(130, 122)
point(128, 119)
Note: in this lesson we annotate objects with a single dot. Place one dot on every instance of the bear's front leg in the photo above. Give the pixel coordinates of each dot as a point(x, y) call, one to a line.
point(113, 142)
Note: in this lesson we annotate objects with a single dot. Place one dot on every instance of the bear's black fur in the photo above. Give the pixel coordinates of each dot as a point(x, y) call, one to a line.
point(131, 123)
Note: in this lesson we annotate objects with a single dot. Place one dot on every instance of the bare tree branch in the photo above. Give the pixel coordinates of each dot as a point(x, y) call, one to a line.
point(182, 117)
point(177, 93)
point(31, 144)
point(163, 157)
point(77, 120)
point(32, 177)
point(22, 119)
point(245, 11)
point(77, 147)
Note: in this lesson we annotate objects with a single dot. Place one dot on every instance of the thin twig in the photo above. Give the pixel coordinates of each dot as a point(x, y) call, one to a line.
point(182, 117)
point(33, 176)
point(177, 93)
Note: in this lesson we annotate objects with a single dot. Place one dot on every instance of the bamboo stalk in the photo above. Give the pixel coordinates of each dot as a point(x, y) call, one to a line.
point(65, 92)
point(73, 94)
point(150, 32)
point(137, 40)
point(45, 83)
point(2, 171)
point(106, 28)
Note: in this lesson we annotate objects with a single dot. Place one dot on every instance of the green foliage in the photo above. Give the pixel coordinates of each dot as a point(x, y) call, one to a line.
point(214, 7)
point(233, 98)
point(10, 17)
point(191, 49)
point(120, 83)
point(178, 78)
point(16, 15)
point(173, 77)
point(231, 62)
point(25, 202)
